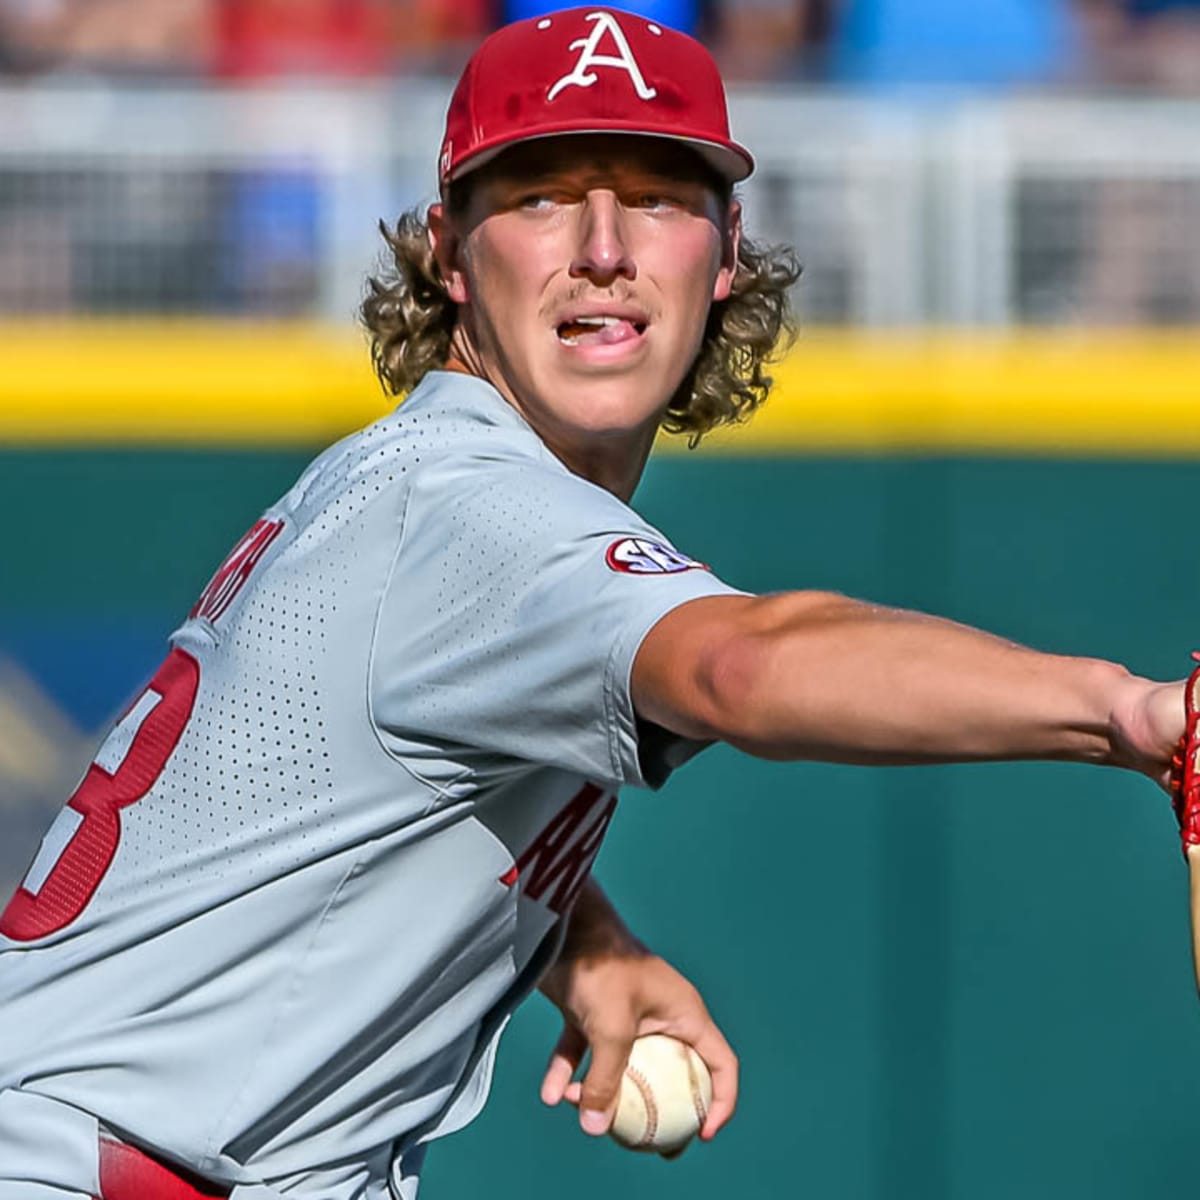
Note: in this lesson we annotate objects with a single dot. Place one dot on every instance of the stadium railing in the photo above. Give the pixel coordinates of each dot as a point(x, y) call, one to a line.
point(905, 212)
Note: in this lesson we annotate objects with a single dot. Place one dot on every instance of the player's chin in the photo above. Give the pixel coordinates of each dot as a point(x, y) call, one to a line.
point(614, 405)
point(618, 390)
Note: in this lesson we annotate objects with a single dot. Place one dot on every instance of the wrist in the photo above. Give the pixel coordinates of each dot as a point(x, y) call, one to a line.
point(1146, 721)
point(595, 934)
point(595, 929)
point(563, 981)
point(593, 939)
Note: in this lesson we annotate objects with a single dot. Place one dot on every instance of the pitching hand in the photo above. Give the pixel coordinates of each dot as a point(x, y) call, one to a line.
point(608, 1001)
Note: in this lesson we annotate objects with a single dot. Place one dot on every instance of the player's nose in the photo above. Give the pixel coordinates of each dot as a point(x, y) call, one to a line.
point(602, 250)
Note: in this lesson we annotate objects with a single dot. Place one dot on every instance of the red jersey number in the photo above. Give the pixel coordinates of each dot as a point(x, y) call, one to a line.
point(79, 848)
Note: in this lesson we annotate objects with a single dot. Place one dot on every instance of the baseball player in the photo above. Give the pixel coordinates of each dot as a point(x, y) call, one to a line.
point(269, 944)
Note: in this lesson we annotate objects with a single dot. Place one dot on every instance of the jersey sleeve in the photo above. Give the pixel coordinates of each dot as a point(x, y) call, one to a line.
point(518, 599)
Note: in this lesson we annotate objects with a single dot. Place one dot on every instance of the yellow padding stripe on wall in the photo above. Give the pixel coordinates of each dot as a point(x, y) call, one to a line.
point(250, 384)
point(189, 383)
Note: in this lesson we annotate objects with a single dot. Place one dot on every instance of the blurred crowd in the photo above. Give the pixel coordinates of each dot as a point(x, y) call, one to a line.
point(194, 232)
point(1145, 44)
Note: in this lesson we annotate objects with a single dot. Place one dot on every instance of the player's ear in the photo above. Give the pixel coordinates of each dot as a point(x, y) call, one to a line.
point(446, 243)
point(731, 240)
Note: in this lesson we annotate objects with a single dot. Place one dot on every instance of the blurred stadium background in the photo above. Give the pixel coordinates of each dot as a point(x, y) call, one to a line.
point(963, 984)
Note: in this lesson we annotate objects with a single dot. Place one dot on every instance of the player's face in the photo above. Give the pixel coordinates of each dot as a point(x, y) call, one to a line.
point(586, 267)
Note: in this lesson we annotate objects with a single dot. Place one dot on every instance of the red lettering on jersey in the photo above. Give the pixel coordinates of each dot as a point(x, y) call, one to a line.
point(235, 570)
point(125, 768)
point(562, 854)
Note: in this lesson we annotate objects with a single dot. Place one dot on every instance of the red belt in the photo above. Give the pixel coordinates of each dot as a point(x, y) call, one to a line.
point(127, 1173)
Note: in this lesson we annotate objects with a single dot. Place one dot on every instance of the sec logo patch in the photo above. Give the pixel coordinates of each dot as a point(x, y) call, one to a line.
point(641, 556)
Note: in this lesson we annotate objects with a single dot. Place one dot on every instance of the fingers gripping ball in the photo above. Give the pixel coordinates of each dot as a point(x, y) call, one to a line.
point(665, 1095)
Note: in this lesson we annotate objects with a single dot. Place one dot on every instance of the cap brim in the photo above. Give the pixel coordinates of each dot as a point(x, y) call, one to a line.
point(732, 162)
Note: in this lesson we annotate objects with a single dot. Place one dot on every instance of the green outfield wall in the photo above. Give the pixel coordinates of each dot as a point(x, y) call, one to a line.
point(967, 983)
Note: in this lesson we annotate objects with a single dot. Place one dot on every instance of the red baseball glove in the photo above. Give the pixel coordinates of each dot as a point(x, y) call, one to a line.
point(1185, 767)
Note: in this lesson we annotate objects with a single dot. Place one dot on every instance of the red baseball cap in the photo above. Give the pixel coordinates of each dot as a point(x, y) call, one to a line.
point(588, 70)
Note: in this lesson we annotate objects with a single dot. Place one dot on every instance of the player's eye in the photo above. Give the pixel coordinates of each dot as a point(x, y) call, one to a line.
point(537, 201)
point(658, 201)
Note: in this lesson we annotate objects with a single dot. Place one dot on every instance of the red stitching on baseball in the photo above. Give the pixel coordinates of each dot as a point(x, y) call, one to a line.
point(642, 1084)
point(697, 1092)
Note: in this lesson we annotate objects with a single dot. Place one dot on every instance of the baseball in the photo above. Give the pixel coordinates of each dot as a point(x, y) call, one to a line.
point(665, 1095)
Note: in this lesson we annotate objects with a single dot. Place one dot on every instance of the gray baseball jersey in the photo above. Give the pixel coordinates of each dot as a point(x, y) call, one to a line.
point(277, 930)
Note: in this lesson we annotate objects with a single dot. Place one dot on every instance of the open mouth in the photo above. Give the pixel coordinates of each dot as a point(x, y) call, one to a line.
point(599, 330)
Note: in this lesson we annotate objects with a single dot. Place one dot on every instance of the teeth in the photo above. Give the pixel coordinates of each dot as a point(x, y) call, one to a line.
point(569, 330)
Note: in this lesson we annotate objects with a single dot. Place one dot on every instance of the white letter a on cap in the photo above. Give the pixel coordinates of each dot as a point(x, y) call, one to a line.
point(580, 76)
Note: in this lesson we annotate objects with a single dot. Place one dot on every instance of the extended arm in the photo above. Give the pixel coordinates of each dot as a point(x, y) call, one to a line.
point(611, 989)
point(812, 675)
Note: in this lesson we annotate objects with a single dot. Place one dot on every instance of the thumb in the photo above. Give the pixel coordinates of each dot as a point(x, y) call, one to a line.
point(602, 1083)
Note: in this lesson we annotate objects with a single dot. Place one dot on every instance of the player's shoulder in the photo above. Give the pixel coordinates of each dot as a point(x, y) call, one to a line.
point(447, 417)
point(476, 444)
point(457, 413)
point(453, 446)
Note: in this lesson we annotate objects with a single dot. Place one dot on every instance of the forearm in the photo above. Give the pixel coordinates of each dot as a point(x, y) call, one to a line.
point(813, 675)
point(594, 930)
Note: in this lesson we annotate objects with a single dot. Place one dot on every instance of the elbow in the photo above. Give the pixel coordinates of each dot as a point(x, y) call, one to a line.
point(749, 680)
point(733, 686)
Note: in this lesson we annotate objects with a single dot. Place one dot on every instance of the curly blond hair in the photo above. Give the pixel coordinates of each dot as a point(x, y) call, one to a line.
point(410, 320)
